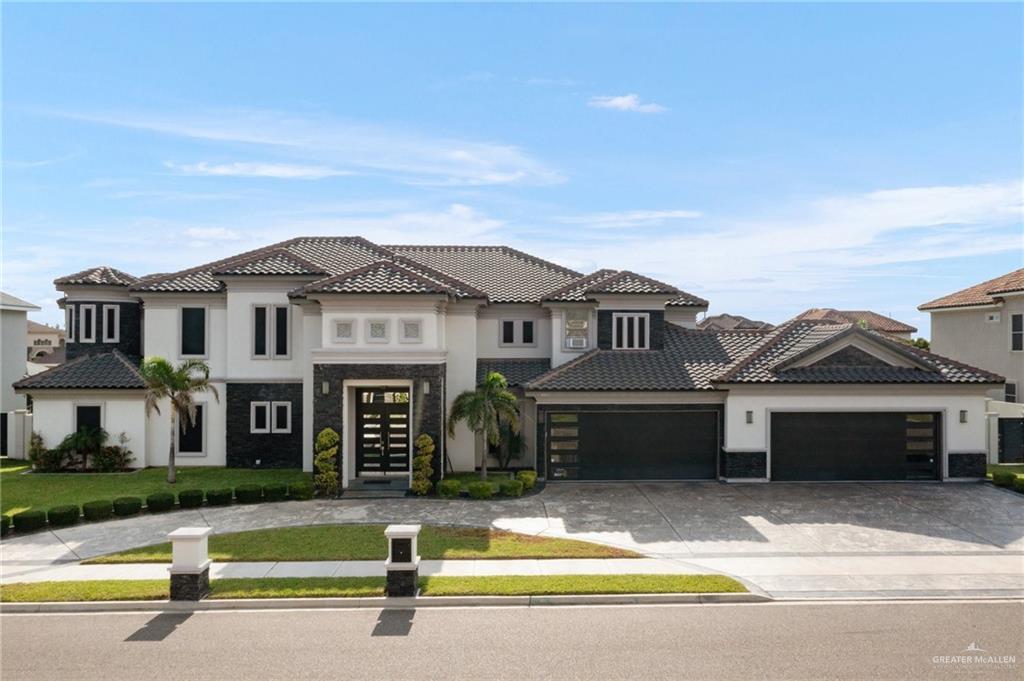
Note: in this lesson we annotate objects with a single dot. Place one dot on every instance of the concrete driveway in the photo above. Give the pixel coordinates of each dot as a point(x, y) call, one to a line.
point(786, 539)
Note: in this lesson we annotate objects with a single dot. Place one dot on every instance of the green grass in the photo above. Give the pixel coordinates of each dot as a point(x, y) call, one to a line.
point(45, 490)
point(366, 542)
point(1017, 468)
point(350, 587)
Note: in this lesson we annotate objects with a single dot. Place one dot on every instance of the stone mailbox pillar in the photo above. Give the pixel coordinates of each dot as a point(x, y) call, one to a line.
point(403, 563)
point(190, 563)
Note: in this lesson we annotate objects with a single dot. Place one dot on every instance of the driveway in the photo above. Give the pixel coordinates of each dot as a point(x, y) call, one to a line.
point(784, 538)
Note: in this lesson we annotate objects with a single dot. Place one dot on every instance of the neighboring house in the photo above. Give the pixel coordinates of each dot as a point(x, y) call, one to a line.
point(872, 321)
point(615, 380)
point(43, 339)
point(983, 325)
point(732, 322)
point(13, 332)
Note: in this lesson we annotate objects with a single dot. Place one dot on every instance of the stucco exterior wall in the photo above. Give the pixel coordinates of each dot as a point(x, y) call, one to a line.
point(460, 374)
point(162, 335)
point(242, 297)
point(488, 331)
point(13, 332)
point(54, 418)
point(159, 429)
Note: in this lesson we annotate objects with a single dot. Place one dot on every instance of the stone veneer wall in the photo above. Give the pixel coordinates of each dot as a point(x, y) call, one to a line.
point(604, 327)
point(274, 450)
point(967, 464)
point(130, 331)
point(736, 465)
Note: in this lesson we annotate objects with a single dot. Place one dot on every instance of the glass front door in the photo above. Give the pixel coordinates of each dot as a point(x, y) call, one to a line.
point(382, 431)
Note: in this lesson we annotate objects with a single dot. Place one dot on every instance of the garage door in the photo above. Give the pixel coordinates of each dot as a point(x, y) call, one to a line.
point(648, 445)
point(855, 446)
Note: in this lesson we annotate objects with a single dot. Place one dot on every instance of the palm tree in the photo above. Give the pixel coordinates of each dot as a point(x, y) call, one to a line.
point(86, 441)
point(180, 384)
point(483, 410)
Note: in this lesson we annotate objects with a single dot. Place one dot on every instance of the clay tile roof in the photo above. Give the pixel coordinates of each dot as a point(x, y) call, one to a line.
point(631, 282)
point(729, 322)
point(575, 291)
point(97, 276)
point(984, 293)
point(109, 370)
point(873, 320)
point(687, 300)
point(276, 262)
point(378, 277)
point(517, 371)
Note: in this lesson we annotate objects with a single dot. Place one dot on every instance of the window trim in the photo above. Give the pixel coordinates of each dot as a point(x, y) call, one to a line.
point(206, 331)
point(646, 316)
point(387, 331)
point(82, 338)
point(352, 324)
point(272, 330)
point(1013, 316)
point(89, 403)
point(402, 323)
point(116, 336)
point(517, 332)
point(252, 330)
point(273, 416)
point(206, 420)
point(69, 321)
point(253, 406)
point(1006, 392)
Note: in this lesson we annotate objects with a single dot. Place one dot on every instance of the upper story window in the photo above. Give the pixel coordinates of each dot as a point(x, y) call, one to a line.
point(1011, 392)
point(193, 332)
point(516, 332)
point(71, 323)
point(631, 331)
point(111, 323)
point(87, 327)
point(270, 327)
point(577, 329)
point(412, 331)
point(1017, 332)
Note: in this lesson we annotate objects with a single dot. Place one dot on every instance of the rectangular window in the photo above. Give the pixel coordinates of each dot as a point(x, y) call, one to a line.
point(577, 329)
point(281, 331)
point(190, 435)
point(412, 331)
point(516, 332)
point(345, 331)
point(88, 416)
point(1011, 392)
point(527, 332)
point(259, 331)
point(259, 417)
point(1017, 332)
point(87, 329)
point(111, 323)
point(282, 417)
point(630, 331)
point(71, 322)
point(193, 331)
point(508, 332)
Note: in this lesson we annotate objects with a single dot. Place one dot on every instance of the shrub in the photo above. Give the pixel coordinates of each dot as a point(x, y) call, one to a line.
point(1018, 484)
point(325, 461)
point(300, 491)
point(50, 460)
point(275, 491)
point(480, 489)
point(219, 497)
point(113, 458)
point(249, 494)
point(5, 525)
point(511, 488)
point(62, 516)
point(449, 488)
point(421, 487)
point(125, 506)
point(1003, 478)
point(528, 478)
point(26, 521)
point(190, 498)
point(97, 510)
point(422, 467)
point(158, 502)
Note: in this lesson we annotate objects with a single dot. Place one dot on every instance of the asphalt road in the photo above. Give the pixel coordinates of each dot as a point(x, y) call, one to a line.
point(773, 641)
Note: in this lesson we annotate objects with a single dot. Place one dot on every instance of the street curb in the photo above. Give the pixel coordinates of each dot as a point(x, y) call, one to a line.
point(377, 602)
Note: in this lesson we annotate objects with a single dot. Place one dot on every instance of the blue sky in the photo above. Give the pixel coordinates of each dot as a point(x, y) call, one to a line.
point(769, 158)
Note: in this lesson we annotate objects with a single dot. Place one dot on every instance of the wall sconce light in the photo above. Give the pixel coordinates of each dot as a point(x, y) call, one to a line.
point(426, 387)
point(325, 388)
point(750, 416)
point(963, 416)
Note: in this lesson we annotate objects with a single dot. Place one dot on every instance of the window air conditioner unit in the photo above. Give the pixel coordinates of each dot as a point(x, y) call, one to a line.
point(577, 342)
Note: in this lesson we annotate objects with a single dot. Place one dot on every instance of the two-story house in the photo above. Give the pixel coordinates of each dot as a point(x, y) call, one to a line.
point(614, 378)
point(43, 340)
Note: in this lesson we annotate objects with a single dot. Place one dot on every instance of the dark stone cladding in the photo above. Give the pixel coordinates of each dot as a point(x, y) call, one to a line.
point(129, 336)
point(604, 327)
point(191, 586)
point(967, 464)
point(402, 583)
point(274, 450)
point(428, 410)
point(737, 465)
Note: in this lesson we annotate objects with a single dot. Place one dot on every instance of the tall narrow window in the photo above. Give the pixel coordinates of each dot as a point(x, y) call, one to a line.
point(508, 332)
point(259, 331)
point(193, 331)
point(111, 323)
point(71, 323)
point(87, 326)
point(281, 331)
point(282, 416)
point(1011, 392)
point(259, 417)
point(1017, 332)
point(630, 331)
point(527, 332)
point(190, 435)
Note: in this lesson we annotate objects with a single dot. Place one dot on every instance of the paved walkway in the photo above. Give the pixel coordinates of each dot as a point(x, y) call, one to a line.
point(886, 539)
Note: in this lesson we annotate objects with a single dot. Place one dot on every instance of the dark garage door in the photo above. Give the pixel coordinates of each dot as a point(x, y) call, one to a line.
point(855, 446)
point(623, 445)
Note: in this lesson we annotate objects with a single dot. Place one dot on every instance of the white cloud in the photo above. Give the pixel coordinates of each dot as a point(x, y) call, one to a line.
point(629, 218)
point(287, 171)
point(630, 102)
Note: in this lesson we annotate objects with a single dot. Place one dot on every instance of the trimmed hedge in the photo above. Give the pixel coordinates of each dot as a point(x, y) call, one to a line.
point(126, 506)
point(62, 516)
point(219, 497)
point(300, 491)
point(30, 520)
point(5, 525)
point(98, 510)
point(249, 494)
point(528, 478)
point(511, 488)
point(190, 498)
point(1018, 485)
point(421, 487)
point(1003, 478)
point(480, 489)
point(449, 488)
point(275, 491)
point(158, 502)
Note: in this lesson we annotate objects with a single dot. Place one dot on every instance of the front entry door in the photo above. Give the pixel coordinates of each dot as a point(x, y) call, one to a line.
point(382, 431)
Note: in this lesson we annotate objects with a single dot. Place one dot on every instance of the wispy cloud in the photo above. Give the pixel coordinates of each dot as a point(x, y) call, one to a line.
point(630, 102)
point(629, 218)
point(285, 171)
point(40, 163)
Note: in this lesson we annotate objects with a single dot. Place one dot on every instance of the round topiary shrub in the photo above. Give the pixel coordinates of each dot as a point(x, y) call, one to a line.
point(511, 488)
point(29, 521)
point(126, 506)
point(62, 516)
point(97, 510)
point(300, 491)
point(1018, 484)
point(219, 497)
point(248, 494)
point(528, 478)
point(421, 487)
point(449, 488)
point(480, 489)
point(5, 525)
point(275, 491)
point(1003, 478)
point(158, 502)
point(190, 498)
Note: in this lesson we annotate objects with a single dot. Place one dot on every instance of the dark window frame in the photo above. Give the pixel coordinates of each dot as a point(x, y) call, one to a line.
point(190, 309)
point(1017, 332)
point(185, 430)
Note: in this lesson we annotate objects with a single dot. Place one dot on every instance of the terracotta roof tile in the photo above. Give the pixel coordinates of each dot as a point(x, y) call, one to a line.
point(97, 276)
point(873, 320)
point(518, 372)
point(979, 294)
point(109, 370)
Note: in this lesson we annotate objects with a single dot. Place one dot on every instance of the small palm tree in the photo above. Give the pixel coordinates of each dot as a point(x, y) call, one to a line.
point(86, 441)
point(483, 410)
point(180, 384)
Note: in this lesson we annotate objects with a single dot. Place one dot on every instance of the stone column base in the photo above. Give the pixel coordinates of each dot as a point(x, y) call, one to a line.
point(190, 586)
point(402, 583)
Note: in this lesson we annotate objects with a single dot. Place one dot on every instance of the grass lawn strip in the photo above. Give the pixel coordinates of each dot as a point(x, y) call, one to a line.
point(353, 587)
point(1017, 468)
point(367, 542)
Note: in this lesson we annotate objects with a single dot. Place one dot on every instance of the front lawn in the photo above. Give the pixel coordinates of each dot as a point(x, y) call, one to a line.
point(367, 542)
point(21, 491)
point(348, 587)
point(1017, 468)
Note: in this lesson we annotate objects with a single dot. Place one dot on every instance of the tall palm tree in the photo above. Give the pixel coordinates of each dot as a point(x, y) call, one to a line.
point(483, 410)
point(180, 385)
